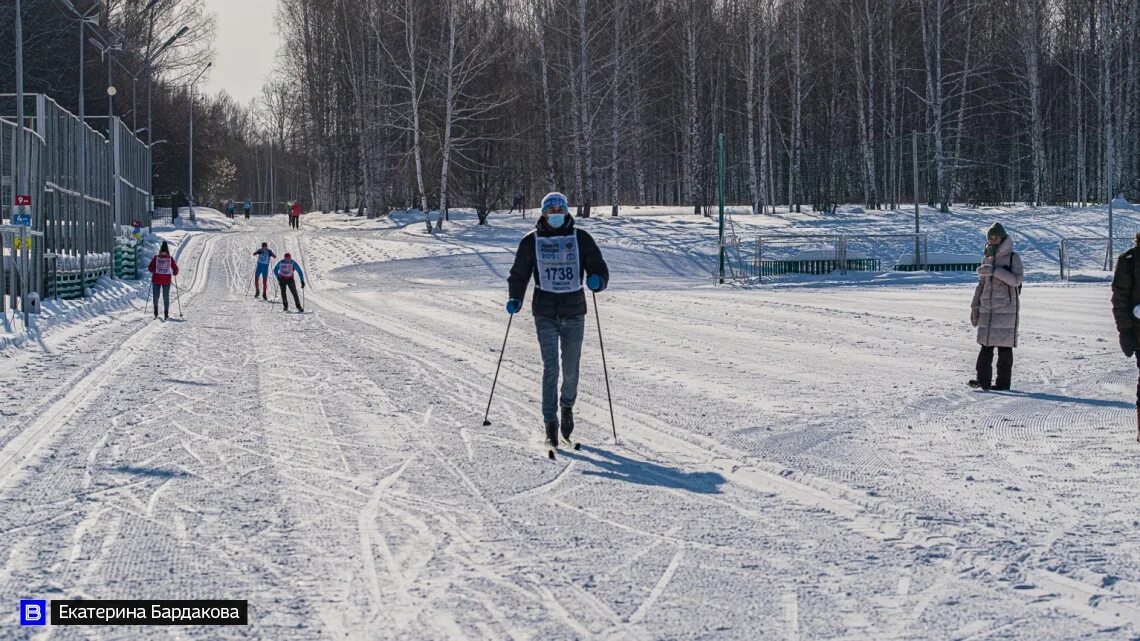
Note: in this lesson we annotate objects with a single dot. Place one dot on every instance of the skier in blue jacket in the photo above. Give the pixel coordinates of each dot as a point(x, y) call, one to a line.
point(263, 256)
point(286, 270)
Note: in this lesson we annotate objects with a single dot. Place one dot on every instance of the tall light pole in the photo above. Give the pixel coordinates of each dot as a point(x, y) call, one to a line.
point(84, 18)
point(106, 52)
point(134, 97)
point(193, 83)
point(20, 169)
point(149, 106)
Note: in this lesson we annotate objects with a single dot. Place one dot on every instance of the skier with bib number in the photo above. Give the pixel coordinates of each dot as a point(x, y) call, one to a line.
point(285, 270)
point(162, 269)
point(263, 256)
point(558, 258)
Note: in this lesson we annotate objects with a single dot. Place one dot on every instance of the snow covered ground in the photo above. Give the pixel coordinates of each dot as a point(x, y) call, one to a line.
point(799, 460)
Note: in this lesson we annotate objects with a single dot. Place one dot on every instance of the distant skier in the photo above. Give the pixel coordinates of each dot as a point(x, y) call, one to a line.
point(1125, 305)
point(247, 207)
point(996, 309)
point(285, 270)
point(263, 255)
point(230, 207)
point(162, 269)
point(295, 215)
point(517, 203)
point(557, 257)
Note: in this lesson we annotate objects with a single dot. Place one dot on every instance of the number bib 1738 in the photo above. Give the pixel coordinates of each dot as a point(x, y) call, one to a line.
point(162, 266)
point(559, 271)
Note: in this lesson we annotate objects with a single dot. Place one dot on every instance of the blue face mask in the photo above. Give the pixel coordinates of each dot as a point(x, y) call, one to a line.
point(556, 220)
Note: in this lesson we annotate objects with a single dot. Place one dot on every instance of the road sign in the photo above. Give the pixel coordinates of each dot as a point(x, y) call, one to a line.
point(22, 215)
point(18, 244)
point(23, 200)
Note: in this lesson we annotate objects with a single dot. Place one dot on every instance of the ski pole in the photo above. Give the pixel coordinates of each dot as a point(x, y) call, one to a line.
point(146, 305)
point(605, 369)
point(494, 382)
point(178, 298)
point(302, 295)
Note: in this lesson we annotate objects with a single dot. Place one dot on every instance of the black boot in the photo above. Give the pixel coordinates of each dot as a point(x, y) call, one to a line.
point(1004, 368)
point(552, 434)
point(976, 384)
point(567, 422)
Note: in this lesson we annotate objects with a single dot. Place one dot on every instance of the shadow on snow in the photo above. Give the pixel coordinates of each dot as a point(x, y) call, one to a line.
point(622, 468)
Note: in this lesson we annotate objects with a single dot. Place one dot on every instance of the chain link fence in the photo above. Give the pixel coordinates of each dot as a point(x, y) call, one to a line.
point(85, 190)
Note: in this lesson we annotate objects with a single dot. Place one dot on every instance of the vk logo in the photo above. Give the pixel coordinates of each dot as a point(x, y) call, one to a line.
point(33, 612)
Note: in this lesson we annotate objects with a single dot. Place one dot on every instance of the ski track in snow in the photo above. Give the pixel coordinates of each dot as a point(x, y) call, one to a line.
point(794, 462)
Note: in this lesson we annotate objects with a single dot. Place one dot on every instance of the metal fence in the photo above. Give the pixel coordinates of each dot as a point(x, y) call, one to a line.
point(131, 187)
point(84, 188)
point(773, 255)
point(21, 262)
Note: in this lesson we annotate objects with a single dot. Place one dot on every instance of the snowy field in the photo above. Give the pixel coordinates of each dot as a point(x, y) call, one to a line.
point(797, 460)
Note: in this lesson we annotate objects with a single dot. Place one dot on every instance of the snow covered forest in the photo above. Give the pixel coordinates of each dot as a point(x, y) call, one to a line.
point(383, 104)
point(435, 104)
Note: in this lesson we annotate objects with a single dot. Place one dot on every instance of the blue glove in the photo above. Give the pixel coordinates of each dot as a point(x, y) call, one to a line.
point(594, 282)
point(513, 306)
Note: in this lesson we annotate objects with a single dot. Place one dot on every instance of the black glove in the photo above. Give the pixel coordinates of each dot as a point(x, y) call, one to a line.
point(1128, 342)
point(302, 284)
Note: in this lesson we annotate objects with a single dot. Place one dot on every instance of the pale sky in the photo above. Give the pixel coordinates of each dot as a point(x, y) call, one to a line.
point(245, 46)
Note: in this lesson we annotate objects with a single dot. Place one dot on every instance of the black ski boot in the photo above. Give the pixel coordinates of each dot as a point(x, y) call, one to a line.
point(552, 433)
point(985, 387)
point(568, 427)
point(567, 422)
point(551, 438)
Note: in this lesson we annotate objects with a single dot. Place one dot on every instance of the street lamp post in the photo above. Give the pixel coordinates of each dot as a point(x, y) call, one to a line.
point(84, 18)
point(149, 105)
point(190, 191)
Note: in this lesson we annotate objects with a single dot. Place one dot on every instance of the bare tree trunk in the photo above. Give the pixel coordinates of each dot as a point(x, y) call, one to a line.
point(1106, 98)
point(616, 119)
point(963, 95)
point(449, 112)
point(587, 120)
point(548, 137)
point(576, 129)
point(1033, 24)
point(415, 93)
point(794, 183)
point(750, 107)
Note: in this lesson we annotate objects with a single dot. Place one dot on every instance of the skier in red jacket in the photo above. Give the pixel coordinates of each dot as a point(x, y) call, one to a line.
point(162, 269)
point(295, 215)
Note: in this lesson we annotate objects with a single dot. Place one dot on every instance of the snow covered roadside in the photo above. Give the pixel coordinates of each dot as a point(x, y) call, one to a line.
point(110, 295)
point(795, 461)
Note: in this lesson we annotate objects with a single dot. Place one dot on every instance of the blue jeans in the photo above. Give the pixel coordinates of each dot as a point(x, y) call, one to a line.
point(154, 291)
point(570, 331)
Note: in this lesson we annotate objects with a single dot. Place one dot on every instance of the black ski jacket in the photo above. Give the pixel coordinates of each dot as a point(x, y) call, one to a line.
point(525, 268)
point(1125, 291)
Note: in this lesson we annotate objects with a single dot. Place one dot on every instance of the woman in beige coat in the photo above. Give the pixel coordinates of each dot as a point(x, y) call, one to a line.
point(996, 309)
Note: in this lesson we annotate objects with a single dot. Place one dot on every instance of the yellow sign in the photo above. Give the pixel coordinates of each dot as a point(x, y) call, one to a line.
point(18, 243)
